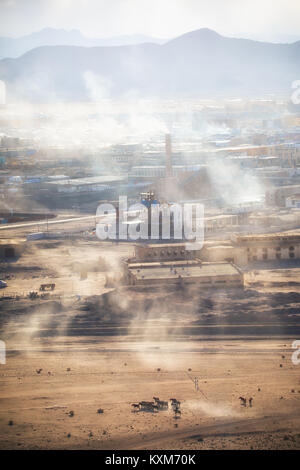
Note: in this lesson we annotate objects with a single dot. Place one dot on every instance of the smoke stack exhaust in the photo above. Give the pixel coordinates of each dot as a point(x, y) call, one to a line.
point(169, 172)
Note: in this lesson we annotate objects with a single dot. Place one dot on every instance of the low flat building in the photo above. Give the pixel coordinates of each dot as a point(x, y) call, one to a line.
point(164, 264)
point(268, 246)
point(89, 184)
point(277, 196)
point(245, 249)
point(184, 272)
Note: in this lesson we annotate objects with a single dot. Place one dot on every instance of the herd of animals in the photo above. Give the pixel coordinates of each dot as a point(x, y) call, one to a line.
point(157, 405)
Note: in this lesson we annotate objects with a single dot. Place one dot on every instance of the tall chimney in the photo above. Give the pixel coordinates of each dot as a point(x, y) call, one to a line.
point(169, 171)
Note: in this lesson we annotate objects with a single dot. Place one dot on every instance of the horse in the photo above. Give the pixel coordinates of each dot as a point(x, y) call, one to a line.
point(135, 405)
point(243, 401)
point(162, 404)
point(148, 405)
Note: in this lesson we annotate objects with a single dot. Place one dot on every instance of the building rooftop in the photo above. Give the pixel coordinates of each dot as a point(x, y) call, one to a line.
point(156, 264)
point(204, 270)
point(89, 180)
point(161, 245)
point(267, 236)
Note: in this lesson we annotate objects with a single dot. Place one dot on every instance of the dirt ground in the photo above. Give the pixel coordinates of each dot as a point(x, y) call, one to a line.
point(77, 268)
point(113, 374)
point(103, 349)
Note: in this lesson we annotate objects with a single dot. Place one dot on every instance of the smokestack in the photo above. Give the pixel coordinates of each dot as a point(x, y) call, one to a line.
point(169, 171)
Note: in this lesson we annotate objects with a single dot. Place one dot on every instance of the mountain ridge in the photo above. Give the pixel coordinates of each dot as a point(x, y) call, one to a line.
point(198, 63)
point(15, 47)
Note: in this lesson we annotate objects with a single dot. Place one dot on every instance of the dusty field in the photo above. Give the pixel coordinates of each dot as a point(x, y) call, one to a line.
point(112, 374)
point(123, 347)
point(63, 262)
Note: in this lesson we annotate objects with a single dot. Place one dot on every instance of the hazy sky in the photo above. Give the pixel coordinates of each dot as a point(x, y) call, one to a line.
point(275, 20)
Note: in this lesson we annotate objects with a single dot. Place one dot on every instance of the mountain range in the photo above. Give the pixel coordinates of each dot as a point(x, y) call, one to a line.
point(15, 47)
point(200, 63)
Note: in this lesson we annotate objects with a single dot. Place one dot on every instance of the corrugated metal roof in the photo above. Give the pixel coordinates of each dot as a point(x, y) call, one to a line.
point(91, 180)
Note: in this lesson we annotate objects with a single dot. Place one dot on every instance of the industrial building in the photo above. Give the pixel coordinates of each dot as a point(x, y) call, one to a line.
point(269, 246)
point(202, 274)
point(92, 184)
point(165, 264)
point(159, 171)
point(277, 196)
point(244, 249)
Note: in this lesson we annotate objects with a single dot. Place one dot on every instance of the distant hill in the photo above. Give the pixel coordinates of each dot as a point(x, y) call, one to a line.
point(201, 63)
point(15, 47)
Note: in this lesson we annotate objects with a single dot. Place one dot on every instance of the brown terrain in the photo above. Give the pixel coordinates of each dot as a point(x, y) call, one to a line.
point(105, 348)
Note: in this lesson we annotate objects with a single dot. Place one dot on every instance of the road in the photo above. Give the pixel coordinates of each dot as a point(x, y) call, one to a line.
point(49, 222)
